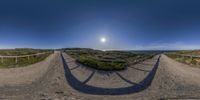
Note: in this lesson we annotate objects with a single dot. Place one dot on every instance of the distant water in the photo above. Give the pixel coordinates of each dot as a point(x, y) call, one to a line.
point(151, 51)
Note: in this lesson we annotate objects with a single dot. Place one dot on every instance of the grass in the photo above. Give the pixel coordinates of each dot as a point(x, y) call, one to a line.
point(186, 60)
point(106, 60)
point(20, 51)
point(21, 61)
point(10, 62)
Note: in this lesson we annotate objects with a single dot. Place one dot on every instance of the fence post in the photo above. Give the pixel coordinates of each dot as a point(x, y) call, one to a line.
point(28, 58)
point(16, 60)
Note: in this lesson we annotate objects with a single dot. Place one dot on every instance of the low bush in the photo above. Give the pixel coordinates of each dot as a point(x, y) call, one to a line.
point(194, 62)
point(101, 65)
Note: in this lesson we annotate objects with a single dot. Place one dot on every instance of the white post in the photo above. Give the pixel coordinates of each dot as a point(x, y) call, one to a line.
point(191, 57)
point(28, 57)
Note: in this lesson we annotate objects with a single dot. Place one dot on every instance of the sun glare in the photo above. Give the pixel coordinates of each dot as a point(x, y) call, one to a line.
point(103, 40)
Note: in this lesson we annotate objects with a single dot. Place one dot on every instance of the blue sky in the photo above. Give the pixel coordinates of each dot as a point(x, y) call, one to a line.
point(127, 24)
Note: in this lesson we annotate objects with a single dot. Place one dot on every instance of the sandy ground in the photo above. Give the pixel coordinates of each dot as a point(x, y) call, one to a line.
point(24, 75)
point(172, 80)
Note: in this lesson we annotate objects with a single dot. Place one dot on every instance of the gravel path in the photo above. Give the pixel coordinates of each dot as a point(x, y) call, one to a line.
point(172, 80)
point(24, 75)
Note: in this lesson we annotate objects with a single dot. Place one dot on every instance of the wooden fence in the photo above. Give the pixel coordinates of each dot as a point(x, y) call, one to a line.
point(188, 56)
point(23, 56)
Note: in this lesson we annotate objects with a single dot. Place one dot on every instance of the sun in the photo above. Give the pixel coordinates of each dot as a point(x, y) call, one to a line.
point(103, 40)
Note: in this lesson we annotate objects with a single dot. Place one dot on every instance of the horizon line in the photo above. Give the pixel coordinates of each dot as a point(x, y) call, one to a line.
point(105, 49)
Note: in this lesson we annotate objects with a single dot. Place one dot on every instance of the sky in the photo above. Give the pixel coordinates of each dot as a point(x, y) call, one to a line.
point(126, 24)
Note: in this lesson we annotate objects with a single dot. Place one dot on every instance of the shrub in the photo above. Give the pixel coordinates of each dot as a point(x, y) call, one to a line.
point(101, 65)
point(172, 56)
point(194, 62)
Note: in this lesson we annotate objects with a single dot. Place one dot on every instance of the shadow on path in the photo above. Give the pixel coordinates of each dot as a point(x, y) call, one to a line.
point(139, 69)
point(128, 81)
point(75, 67)
point(82, 87)
point(71, 61)
point(92, 74)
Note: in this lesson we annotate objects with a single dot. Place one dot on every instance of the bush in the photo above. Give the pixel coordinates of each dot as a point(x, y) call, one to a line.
point(194, 62)
point(101, 65)
point(173, 56)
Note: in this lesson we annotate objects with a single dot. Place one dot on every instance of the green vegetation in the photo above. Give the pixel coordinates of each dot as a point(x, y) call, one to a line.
point(106, 60)
point(11, 63)
point(101, 64)
point(20, 51)
point(21, 61)
point(195, 61)
point(187, 52)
